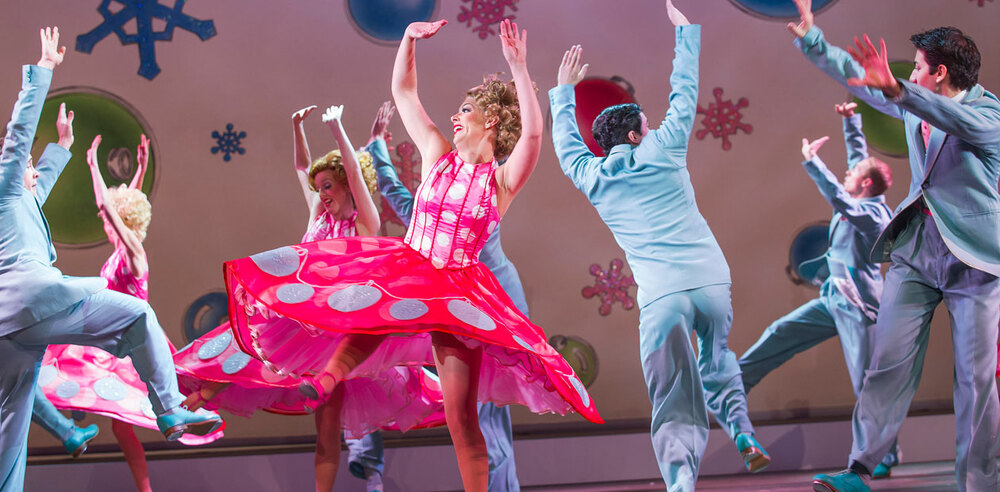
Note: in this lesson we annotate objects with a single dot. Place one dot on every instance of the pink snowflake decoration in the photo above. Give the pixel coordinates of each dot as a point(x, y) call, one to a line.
point(408, 169)
point(611, 285)
point(722, 119)
point(981, 2)
point(488, 13)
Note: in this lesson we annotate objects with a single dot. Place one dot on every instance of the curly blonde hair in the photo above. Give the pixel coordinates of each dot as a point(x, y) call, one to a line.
point(496, 98)
point(335, 163)
point(133, 207)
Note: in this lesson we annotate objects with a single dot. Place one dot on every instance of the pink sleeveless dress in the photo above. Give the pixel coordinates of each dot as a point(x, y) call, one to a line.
point(393, 398)
point(88, 379)
point(429, 281)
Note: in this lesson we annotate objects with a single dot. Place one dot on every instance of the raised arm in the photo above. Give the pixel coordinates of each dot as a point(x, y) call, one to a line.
point(389, 184)
point(571, 150)
point(833, 192)
point(428, 139)
point(303, 160)
point(142, 159)
point(55, 157)
point(854, 138)
point(368, 220)
point(512, 176)
point(114, 227)
point(35, 81)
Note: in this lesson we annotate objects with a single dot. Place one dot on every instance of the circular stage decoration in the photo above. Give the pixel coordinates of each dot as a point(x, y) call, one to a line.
point(593, 94)
point(778, 9)
point(70, 208)
point(205, 314)
point(580, 354)
point(883, 132)
point(807, 255)
point(385, 21)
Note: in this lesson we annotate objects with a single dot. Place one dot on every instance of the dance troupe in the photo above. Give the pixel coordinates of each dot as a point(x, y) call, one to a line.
point(344, 324)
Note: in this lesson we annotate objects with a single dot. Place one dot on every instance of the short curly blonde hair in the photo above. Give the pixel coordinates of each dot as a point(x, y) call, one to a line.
point(496, 98)
point(335, 163)
point(133, 207)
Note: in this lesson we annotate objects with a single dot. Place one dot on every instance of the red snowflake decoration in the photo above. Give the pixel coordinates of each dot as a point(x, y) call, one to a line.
point(981, 2)
point(722, 119)
point(408, 170)
point(488, 13)
point(611, 285)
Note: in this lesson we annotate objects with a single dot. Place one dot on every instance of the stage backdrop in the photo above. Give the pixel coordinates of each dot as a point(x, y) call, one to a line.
point(216, 97)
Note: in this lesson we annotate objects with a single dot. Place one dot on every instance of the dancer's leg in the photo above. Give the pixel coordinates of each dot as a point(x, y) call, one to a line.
point(199, 398)
point(350, 353)
point(458, 367)
point(328, 440)
point(135, 456)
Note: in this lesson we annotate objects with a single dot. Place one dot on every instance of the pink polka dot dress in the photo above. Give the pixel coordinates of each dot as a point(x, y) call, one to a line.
point(430, 281)
point(392, 398)
point(91, 380)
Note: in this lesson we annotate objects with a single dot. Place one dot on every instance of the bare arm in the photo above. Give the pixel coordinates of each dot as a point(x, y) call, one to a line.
point(114, 227)
point(519, 166)
point(142, 158)
point(368, 220)
point(303, 160)
point(428, 139)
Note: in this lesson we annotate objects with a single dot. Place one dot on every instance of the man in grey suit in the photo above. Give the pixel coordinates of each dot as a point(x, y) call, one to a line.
point(943, 244)
point(39, 305)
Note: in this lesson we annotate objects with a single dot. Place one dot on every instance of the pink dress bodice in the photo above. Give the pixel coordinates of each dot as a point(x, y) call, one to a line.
point(120, 279)
point(454, 212)
point(326, 227)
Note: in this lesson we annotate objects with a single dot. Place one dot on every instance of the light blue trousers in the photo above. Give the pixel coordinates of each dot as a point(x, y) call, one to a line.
point(811, 323)
point(46, 415)
point(685, 388)
point(494, 421)
point(115, 322)
point(923, 274)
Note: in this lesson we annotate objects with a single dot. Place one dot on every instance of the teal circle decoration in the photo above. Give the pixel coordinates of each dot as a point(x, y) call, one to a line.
point(385, 21)
point(70, 208)
point(778, 9)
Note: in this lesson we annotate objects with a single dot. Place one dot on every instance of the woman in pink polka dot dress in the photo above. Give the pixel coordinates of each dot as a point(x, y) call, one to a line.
point(426, 298)
point(338, 191)
point(89, 379)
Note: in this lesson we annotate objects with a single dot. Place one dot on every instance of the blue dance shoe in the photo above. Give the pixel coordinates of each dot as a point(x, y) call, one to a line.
point(77, 442)
point(845, 481)
point(180, 420)
point(753, 454)
point(881, 471)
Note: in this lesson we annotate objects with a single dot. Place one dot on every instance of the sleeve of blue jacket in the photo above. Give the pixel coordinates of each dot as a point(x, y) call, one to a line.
point(20, 136)
point(977, 124)
point(574, 156)
point(841, 201)
point(854, 140)
point(50, 165)
point(389, 185)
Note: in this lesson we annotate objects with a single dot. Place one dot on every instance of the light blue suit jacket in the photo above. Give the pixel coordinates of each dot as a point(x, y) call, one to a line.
point(31, 289)
point(854, 228)
point(956, 174)
point(643, 193)
point(401, 201)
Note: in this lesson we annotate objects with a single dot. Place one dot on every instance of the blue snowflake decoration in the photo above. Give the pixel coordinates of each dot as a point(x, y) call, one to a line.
point(228, 143)
point(144, 12)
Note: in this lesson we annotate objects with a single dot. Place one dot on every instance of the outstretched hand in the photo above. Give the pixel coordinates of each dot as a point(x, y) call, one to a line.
point(64, 127)
point(809, 149)
point(845, 109)
point(142, 151)
point(92, 152)
point(380, 127)
point(805, 18)
point(876, 65)
point(424, 30)
point(300, 115)
point(570, 70)
point(675, 16)
point(333, 114)
point(513, 43)
point(52, 53)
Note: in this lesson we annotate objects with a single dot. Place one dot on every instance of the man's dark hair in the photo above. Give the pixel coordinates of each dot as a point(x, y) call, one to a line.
point(611, 127)
point(948, 46)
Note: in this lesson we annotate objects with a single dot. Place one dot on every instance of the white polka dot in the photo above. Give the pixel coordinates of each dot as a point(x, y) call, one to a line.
point(408, 309)
point(444, 239)
point(446, 168)
point(215, 346)
point(449, 217)
point(147, 409)
point(464, 232)
point(456, 191)
point(493, 200)
point(294, 293)
point(580, 389)
point(279, 262)
point(235, 362)
point(469, 314)
point(67, 389)
point(482, 181)
point(110, 388)
point(489, 228)
point(354, 298)
point(425, 244)
point(458, 255)
point(46, 375)
point(520, 341)
point(437, 262)
point(467, 169)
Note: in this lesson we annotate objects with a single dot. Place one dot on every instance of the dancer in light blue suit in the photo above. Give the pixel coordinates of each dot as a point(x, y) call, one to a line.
point(366, 454)
point(943, 244)
point(848, 302)
point(39, 305)
point(642, 191)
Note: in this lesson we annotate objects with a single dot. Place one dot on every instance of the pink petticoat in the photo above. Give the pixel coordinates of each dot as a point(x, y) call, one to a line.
point(400, 398)
point(91, 380)
point(322, 290)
